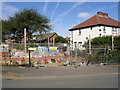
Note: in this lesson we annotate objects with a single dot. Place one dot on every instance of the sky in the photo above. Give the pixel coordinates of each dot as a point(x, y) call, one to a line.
point(63, 15)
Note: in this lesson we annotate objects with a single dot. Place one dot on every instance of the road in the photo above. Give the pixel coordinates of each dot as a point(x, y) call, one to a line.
point(83, 77)
point(95, 81)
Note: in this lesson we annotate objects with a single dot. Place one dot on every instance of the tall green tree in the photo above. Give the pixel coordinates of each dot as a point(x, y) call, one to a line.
point(30, 19)
point(0, 31)
point(6, 30)
point(60, 39)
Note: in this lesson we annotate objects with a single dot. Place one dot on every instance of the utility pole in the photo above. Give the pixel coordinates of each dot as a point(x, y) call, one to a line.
point(89, 44)
point(48, 42)
point(112, 42)
point(76, 49)
point(105, 54)
point(29, 59)
point(25, 42)
point(48, 46)
point(53, 42)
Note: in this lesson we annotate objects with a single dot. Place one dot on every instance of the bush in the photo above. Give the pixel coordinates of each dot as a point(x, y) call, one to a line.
point(60, 39)
point(114, 56)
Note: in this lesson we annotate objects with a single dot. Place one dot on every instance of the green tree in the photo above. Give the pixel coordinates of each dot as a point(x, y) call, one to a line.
point(60, 39)
point(106, 40)
point(26, 18)
point(109, 56)
point(6, 30)
point(102, 40)
point(0, 31)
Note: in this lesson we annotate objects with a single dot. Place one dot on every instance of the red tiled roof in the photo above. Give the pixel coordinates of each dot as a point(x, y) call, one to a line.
point(97, 20)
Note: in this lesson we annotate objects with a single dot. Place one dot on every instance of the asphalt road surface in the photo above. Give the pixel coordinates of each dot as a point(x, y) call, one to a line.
point(95, 81)
point(82, 77)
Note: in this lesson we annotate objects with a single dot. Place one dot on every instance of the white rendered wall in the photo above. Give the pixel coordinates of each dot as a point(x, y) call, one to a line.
point(118, 31)
point(95, 32)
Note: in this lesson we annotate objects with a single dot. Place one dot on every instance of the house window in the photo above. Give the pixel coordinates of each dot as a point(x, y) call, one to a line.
point(114, 31)
point(79, 32)
point(104, 30)
point(99, 29)
point(86, 38)
point(75, 42)
point(100, 35)
point(91, 28)
point(80, 42)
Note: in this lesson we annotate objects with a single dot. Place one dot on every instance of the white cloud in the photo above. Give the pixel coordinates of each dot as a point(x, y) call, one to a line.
point(45, 7)
point(84, 15)
point(72, 8)
point(8, 11)
point(68, 11)
point(55, 9)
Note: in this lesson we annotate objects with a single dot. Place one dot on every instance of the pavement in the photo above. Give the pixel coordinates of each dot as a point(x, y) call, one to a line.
point(63, 77)
point(62, 71)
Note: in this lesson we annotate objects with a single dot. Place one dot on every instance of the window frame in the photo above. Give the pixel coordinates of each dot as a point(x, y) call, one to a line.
point(79, 32)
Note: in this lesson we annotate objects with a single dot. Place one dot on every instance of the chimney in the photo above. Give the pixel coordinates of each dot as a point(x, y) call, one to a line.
point(105, 14)
point(102, 14)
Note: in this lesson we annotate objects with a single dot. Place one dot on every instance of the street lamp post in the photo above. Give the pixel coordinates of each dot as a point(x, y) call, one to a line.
point(89, 44)
point(48, 46)
point(112, 42)
point(76, 49)
point(53, 42)
point(25, 42)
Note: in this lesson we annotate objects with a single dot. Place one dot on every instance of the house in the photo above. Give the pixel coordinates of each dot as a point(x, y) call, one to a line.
point(43, 38)
point(96, 26)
